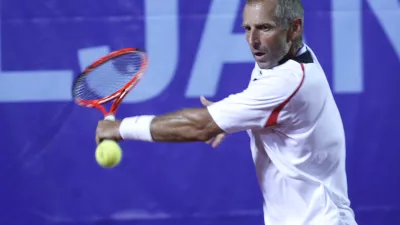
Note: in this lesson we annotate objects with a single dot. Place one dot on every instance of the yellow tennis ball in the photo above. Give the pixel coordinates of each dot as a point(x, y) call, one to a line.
point(108, 154)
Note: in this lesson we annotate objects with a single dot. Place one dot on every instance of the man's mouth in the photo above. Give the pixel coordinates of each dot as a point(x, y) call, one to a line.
point(259, 55)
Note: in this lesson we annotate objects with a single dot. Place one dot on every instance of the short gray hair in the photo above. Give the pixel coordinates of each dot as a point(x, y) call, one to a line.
point(289, 10)
point(286, 10)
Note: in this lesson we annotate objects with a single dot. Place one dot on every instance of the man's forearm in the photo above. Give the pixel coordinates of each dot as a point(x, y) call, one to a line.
point(184, 126)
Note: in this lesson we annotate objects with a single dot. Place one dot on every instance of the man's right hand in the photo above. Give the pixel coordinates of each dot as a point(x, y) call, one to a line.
point(215, 141)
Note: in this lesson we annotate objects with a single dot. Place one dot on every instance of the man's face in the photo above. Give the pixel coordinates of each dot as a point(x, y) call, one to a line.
point(267, 40)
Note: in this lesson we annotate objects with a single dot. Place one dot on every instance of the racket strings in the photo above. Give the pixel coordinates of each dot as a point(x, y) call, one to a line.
point(109, 77)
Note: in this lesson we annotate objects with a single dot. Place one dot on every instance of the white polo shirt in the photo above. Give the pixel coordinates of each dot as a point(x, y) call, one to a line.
point(297, 142)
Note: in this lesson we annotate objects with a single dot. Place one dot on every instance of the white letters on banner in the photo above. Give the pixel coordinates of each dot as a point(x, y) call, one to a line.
point(162, 22)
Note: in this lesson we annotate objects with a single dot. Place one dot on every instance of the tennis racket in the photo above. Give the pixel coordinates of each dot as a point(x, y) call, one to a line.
point(109, 80)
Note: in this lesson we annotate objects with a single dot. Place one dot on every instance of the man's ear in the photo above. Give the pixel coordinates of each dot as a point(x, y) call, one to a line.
point(295, 29)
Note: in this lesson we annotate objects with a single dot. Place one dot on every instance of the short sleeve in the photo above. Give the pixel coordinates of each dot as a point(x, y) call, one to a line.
point(259, 105)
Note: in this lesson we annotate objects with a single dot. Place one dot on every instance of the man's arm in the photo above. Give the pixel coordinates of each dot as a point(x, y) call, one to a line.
point(250, 109)
point(186, 125)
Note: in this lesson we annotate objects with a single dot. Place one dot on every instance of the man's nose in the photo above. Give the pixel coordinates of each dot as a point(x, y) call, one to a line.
point(254, 39)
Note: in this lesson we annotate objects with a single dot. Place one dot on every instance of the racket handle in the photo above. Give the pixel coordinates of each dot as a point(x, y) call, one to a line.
point(110, 117)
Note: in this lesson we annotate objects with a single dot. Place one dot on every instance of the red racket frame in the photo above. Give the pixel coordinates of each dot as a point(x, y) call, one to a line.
point(122, 92)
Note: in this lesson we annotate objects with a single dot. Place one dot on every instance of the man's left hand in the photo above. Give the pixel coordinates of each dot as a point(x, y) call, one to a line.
point(215, 141)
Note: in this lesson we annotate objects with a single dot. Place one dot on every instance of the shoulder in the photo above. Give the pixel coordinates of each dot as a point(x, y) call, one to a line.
point(283, 78)
point(289, 70)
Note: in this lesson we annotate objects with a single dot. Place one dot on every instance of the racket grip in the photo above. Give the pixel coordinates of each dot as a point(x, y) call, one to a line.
point(110, 117)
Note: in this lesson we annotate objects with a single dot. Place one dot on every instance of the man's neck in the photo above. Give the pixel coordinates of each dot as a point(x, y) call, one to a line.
point(292, 52)
point(295, 49)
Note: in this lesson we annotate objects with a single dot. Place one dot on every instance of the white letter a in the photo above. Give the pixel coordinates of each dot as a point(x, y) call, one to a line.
point(218, 46)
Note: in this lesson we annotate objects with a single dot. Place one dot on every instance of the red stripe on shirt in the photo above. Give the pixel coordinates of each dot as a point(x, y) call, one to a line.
point(273, 118)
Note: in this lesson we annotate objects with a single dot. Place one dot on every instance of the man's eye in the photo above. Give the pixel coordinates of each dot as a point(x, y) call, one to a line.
point(266, 28)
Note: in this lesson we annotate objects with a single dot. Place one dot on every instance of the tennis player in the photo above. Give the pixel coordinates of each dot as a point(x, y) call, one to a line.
point(296, 133)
